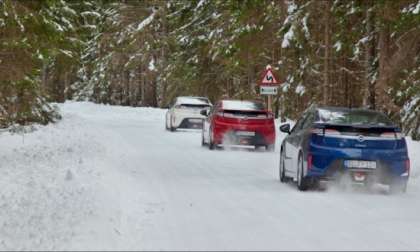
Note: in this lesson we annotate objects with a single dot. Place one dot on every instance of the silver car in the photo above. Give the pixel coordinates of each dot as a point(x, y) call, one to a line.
point(185, 113)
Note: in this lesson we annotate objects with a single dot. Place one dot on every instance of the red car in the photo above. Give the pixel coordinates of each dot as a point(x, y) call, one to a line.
point(234, 122)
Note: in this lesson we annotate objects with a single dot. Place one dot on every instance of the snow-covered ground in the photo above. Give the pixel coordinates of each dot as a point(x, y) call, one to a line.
point(111, 178)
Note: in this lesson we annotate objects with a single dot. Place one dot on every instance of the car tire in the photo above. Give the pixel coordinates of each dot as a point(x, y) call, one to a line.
point(282, 172)
point(269, 147)
point(172, 128)
point(302, 182)
point(211, 143)
point(166, 123)
point(397, 187)
point(203, 143)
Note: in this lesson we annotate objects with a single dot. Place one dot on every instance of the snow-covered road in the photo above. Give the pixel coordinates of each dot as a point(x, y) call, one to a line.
point(111, 178)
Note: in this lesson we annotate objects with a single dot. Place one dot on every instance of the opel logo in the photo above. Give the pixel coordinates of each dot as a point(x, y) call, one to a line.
point(361, 138)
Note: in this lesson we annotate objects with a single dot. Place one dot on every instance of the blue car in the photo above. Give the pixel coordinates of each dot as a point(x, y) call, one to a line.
point(357, 146)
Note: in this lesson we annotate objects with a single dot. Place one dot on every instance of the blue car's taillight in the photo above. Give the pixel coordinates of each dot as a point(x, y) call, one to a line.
point(309, 161)
point(325, 132)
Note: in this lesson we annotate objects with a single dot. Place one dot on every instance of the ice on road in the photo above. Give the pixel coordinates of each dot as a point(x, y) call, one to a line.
point(112, 178)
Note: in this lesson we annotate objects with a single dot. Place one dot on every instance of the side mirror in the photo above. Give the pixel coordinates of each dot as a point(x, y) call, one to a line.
point(204, 112)
point(285, 128)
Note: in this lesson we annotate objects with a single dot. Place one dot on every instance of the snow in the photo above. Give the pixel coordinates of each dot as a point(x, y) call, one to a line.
point(291, 7)
point(300, 89)
point(146, 22)
point(111, 178)
point(417, 9)
point(305, 26)
point(90, 13)
point(70, 10)
point(287, 38)
point(413, 9)
point(363, 40)
point(285, 87)
point(338, 46)
point(67, 53)
point(216, 15)
point(200, 4)
point(152, 66)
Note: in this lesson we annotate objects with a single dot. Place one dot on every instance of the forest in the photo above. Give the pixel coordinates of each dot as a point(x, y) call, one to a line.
point(353, 53)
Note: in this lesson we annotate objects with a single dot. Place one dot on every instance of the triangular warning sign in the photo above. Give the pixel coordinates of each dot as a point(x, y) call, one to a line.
point(269, 78)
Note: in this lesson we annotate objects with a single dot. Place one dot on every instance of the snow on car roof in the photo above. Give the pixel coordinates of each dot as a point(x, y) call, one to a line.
point(192, 100)
point(242, 105)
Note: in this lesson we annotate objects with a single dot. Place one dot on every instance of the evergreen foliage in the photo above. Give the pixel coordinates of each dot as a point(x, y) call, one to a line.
point(144, 53)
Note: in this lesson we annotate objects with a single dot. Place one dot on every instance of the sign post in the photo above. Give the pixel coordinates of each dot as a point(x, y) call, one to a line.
point(268, 86)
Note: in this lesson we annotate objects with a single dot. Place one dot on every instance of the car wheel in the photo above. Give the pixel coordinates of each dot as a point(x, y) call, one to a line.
point(203, 143)
point(211, 143)
point(397, 187)
point(282, 170)
point(269, 147)
point(302, 182)
point(166, 123)
point(170, 126)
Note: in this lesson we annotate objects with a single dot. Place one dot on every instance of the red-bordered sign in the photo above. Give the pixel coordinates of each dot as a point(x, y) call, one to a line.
point(268, 78)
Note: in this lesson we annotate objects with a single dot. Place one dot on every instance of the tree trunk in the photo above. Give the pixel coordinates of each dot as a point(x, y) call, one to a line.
point(369, 99)
point(327, 46)
point(384, 67)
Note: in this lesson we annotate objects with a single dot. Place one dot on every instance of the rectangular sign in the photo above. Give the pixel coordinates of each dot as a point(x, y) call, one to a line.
point(268, 90)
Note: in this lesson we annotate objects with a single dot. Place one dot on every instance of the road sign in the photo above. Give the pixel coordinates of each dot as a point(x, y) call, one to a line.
point(268, 86)
point(268, 77)
point(268, 90)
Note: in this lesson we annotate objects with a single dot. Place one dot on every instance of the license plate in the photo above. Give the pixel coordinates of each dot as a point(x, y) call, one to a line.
point(196, 120)
point(361, 164)
point(245, 133)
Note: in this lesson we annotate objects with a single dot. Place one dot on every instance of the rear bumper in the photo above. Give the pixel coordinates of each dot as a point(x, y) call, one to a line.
point(384, 173)
point(191, 123)
point(230, 134)
point(232, 138)
point(179, 120)
point(328, 163)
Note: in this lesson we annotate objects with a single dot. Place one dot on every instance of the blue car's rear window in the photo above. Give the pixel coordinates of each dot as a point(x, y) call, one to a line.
point(353, 117)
